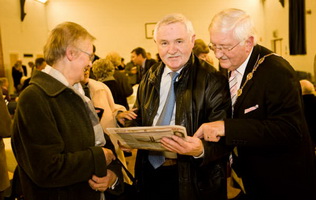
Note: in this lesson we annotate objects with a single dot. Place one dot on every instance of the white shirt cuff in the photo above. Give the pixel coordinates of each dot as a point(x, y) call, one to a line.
point(200, 156)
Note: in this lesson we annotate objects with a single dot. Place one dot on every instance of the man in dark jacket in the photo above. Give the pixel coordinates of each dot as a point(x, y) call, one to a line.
point(139, 58)
point(195, 170)
point(309, 99)
point(273, 154)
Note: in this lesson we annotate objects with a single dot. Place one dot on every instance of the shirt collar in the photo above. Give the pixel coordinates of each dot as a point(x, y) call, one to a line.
point(167, 70)
point(241, 69)
point(143, 65)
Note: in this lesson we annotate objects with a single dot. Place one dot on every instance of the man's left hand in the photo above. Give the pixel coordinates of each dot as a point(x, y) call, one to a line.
point(191, 146)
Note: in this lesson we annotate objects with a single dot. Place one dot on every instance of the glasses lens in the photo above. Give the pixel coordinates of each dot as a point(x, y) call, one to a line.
point(211, 47)
point(92, 57)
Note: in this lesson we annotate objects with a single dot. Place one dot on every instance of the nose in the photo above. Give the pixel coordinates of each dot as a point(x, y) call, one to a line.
point(172, 49)
point(218, 53)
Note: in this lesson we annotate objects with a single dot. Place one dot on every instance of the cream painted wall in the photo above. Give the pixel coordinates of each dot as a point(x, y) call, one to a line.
point(276, 19)
point(120, 25)
point(25, 37)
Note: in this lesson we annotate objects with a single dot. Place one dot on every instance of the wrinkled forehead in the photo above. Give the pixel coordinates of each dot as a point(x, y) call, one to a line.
point(172, 31)
point(186, 25)
point(218, 37)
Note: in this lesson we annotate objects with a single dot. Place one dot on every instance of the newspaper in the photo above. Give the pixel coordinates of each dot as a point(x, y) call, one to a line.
point(146, 137)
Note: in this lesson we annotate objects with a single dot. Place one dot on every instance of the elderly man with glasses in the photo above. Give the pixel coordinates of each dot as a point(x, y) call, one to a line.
point(272, 151)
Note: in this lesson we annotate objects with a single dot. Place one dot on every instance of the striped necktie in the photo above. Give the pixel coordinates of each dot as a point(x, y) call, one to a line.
point(234, 155)
point(233, 86)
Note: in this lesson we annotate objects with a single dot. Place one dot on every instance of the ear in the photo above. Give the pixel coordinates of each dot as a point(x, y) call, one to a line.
point(249, 43)
point(193, 39)
point(71, 53)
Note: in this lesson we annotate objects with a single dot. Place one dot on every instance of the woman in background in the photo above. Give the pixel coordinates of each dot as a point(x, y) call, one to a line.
point(103, 70)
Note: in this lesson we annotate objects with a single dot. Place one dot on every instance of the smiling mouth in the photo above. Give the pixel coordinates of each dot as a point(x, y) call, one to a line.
point(86, 69)
point(173, 57)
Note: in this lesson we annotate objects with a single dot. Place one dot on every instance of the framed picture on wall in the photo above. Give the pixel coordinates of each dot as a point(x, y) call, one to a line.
point(149, 30)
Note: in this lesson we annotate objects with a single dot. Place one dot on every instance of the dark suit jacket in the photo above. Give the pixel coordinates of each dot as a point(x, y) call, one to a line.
point(275, 158)
point(148, 64)
point(117, 93)
point(310, 114)
point(142, 71)
point(125, 87)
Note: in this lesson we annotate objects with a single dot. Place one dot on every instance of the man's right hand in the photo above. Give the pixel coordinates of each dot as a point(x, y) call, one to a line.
point(211, 131)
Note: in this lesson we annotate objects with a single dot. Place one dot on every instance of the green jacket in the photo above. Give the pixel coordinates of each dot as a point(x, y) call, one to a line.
point(53, 141)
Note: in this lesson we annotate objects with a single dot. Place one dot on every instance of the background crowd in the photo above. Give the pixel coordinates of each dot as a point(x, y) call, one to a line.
point(250, 125)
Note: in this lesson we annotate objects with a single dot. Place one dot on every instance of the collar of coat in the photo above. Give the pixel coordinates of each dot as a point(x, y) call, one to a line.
point(48, 84)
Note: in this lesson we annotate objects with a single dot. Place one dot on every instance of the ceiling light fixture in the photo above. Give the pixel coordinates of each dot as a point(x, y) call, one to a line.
point(42, 1)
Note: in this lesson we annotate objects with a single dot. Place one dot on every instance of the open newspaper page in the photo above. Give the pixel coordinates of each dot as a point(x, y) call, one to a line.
point(146, 137)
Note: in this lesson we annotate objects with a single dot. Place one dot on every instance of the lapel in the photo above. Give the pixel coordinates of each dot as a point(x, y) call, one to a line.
point(154, 76)
point(250, 65)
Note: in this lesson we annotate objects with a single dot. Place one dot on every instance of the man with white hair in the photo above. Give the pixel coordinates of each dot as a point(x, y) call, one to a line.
point(272, 149)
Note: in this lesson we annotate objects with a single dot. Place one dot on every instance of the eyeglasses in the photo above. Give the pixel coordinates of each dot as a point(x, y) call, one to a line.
point(222, 48)
point(91, 55)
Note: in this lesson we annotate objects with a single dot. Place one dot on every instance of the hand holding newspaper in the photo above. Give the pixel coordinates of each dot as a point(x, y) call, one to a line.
point(145, 137)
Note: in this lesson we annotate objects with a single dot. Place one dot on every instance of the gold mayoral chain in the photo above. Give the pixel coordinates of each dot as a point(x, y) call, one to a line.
point(250, 74)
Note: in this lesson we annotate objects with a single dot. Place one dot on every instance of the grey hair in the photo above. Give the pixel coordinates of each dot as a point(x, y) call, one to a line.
point(114, 57)
point(234, 19)
point(102, 69)
point(62, 36)
point(174, 18)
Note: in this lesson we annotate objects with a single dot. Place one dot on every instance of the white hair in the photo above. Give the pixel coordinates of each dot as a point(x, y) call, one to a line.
point(174, 18)
point(234, 19)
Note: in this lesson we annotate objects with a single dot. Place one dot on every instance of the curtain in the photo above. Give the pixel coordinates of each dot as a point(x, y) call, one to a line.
point(297, 30)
